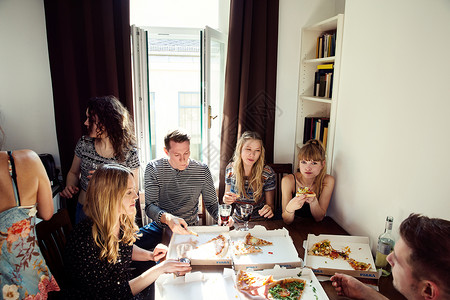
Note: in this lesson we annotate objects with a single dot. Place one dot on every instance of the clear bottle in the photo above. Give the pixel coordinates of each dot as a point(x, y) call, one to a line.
point(385, 246)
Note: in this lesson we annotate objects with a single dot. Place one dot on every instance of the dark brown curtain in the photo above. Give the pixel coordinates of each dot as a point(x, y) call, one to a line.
point(90, 55)
point(250, 79)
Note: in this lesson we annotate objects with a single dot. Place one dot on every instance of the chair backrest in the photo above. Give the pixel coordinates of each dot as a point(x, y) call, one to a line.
point(280, 170)
point(52, 237)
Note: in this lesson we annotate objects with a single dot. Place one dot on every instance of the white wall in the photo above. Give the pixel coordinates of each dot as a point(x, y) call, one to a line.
point(293, 15)
point(392, 131)
point(26, 99)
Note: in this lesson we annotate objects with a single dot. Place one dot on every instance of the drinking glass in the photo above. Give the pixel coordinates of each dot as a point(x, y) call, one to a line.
point(224, 213)
point(183, 249)
point(246, 211)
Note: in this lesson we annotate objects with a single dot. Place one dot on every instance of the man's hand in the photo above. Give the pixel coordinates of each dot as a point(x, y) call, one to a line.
point(177, 225)
point(351, 287)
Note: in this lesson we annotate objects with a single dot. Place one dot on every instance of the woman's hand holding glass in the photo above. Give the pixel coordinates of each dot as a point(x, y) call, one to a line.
point(175, 266)
point(230, 198)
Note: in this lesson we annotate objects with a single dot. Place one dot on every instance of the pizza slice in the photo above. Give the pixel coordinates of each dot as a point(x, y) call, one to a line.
point(290, 288)
point(358, 265)
point(305, 191)
point(252, 284)
point(254, 241)
point(322, 248)
point(241, 248)
point(216, 247)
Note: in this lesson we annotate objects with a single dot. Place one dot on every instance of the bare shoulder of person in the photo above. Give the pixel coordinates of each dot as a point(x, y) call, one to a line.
point(328, 180)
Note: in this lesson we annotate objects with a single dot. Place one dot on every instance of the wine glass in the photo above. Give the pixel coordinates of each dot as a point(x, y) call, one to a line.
point(224, 213)
point(246, 211)
point(182, 253)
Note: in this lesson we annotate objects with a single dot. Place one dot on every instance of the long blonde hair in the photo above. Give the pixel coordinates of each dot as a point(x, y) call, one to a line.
point(255, 180)
point(314, 150)
point(104, 196)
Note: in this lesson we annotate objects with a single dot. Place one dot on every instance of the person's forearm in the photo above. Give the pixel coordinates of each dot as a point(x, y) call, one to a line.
point(139, 283)
point(288, 216)
point(317, 212)
point(72, 179)
point(140, 254)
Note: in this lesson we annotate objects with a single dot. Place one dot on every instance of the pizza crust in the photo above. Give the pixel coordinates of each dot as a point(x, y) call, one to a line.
point(305, 191)
point(254, 241)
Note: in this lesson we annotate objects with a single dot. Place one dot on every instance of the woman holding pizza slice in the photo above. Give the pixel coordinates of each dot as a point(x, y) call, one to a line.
point(307, 193)
point(248, 179)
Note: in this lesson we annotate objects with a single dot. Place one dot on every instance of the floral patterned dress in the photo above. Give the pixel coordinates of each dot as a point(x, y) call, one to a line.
point(23, 272)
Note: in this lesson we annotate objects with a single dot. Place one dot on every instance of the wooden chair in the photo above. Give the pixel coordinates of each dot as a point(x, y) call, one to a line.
point(280, 170)
point(52, 237)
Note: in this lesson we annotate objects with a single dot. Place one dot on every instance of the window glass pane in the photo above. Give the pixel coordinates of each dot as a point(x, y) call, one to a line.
point(190, 119)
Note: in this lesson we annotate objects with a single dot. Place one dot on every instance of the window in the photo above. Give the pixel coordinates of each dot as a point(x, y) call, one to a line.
point(189, 117)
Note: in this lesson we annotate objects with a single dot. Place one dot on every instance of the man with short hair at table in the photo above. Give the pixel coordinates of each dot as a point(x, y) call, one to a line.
point(173, 186)
point(420, 263)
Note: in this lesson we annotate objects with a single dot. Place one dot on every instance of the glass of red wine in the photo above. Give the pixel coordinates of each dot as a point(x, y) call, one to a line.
point(246, 212)
point(224, 213)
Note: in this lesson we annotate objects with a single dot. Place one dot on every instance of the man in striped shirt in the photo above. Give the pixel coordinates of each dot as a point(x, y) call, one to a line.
point(172, 189)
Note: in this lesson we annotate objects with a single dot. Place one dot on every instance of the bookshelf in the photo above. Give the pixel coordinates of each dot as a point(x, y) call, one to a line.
point(309, 104)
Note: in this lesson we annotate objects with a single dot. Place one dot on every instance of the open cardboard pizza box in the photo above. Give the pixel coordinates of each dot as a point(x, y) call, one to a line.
point(197, 285)
point(205, 233)
point(221, 286)
point(282, 252)
point(359, 250)
point(313, 289)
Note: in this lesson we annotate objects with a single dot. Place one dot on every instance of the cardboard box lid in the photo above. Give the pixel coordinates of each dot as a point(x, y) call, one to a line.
point(282, 252)
point(197, 285)
point(313, 289)
point(360, 251)
point(205, 233)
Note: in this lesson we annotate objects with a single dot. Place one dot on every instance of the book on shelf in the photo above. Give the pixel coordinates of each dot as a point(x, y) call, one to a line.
point(326, 44)
point(315, 128)
point(325, 67)
point(325, 137)
point(323, 81)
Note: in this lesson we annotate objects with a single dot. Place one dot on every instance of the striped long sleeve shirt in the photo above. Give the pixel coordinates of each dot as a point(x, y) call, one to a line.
point(177, 192)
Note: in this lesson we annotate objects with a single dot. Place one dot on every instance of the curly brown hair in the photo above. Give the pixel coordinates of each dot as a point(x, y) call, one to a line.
point(115, 119)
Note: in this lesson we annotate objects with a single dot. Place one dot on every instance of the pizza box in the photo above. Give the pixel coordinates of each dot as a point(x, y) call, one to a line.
point(282, 252)
point(197, 285)
point(359, 250)
point(205, 233)
point(312, 291)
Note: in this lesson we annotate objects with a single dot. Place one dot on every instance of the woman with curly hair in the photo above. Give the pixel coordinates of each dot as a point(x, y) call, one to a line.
point(99, 251)
point(110, 140)
point(313, 175)
point(248, 179)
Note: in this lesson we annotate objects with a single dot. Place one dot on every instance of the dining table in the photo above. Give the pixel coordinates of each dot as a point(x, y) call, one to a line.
point(298, 231)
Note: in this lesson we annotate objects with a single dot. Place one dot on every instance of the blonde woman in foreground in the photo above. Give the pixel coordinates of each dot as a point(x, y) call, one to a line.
point(101, 248)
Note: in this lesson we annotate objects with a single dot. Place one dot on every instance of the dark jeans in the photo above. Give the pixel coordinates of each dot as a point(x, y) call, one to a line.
point(79, 214)
point(151, 236)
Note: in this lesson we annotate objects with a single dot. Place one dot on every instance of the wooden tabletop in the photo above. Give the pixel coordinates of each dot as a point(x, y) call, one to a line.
point(299, 230)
